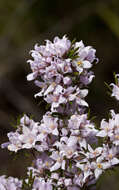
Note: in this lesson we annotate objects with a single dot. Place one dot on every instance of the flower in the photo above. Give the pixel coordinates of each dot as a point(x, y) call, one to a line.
point(110, 154)
point(62, 141)
point(60, 162)
point(86, 55)
point(115, 87)
point(49, 125)
point(99, 166)
point(54, 69)
point(78, 96)
point(86, 169)
point(94, 153)
point(25, 136)
point(10, 183)
point(76, 121)
point(40, 184)
point(115, 91)
point(106, 128)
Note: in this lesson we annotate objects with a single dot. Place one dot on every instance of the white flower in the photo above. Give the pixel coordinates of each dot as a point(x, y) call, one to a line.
point(110, 154)
point(67, 182)
point(86, 169)
point(78, 180)
point(61, 45)
point(67, 146)
point(42, 85)
point(29, 137)
point(63, 66)
point(88, 130)
point(115, 139)
point(25, 136)
point(106, 128)
point(99, 166)
point(40, 184)
point(55, 176)
point(56, 98)
point(49, 125)
point(32, 76)
point(79, 45)
point(14, 142)
point(93, 153)
point(60, 162)
point(76, 120)
point(42, 147)
point(10, 183)
point(86, 57)
point(115, 119)
point(78, 96)
point(81, 141)
point(67, 80)
point(40, 164)
point(87, 77)
point(115, 91)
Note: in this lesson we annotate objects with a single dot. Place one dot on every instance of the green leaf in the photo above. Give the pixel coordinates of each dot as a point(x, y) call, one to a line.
point(109, 88)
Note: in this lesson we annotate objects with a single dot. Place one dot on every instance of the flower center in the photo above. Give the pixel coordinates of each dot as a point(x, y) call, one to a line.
point(59, 159)
point(66, 68)
point(44, 132)
point(69, 152)
point(31, 140)
point(53, 84)
point(117, 137)
point(110, 156)
point(99, 165)
point(55, 98)
point(47, 164)
point(95, 152)
point(86, 168)
point(79, 138)
point(106, 129)
point(79, 63)
point(52, 126)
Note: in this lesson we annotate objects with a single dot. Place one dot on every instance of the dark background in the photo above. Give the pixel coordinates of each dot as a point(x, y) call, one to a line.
point(26, 22)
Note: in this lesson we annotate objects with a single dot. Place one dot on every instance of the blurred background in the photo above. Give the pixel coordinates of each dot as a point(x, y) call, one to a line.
point(26, 22)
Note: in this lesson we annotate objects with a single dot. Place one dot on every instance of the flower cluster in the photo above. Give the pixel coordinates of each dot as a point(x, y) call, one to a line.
point(25, 136)
point(61, 69)
point(10, 183)
point(110, 130)
point(65, 142)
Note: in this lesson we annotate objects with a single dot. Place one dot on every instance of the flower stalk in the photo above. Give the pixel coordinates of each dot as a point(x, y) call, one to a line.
point(69, 155)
